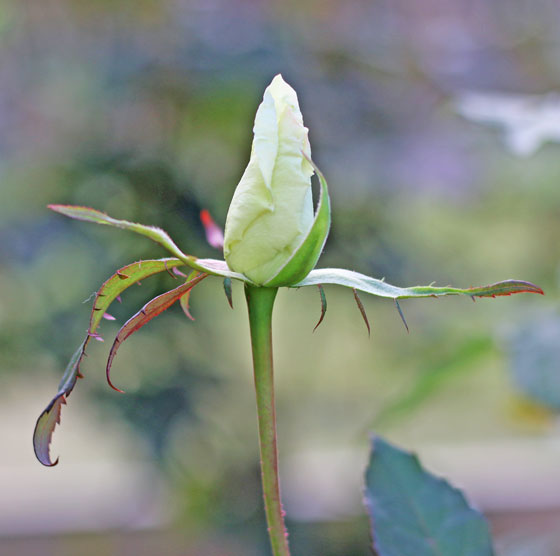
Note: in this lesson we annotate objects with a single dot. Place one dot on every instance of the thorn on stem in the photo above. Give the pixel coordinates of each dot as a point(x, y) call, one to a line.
point(168, 271)
point(401, 314)
point(323, 306)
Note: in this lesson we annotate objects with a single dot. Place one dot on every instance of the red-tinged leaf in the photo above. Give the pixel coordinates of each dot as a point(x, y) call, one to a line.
point(214, 234)
point(362, 310)
point(185, 298)
point(323, 305)
point(228, 291)
point(151, 310)
point(507, 287)
point(116, 284)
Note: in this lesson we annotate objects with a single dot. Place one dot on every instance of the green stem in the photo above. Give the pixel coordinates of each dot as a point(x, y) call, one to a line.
point(260, 302)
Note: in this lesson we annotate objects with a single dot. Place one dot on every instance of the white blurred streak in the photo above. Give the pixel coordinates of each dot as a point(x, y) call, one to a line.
point(85, 497)
point(103, 481)
point(528, 121)
point(324, 485)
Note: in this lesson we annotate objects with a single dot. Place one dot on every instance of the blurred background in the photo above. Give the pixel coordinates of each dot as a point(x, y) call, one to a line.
point(436, 124)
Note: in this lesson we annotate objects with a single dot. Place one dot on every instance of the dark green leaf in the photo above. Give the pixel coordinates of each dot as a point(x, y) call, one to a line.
point(414, 513)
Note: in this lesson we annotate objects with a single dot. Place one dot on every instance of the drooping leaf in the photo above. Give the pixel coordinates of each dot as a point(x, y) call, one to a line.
point(151, 310)
point(109, 291)
point(362, 310)
point(209, 266)
point(323, 306)
point(44, 429)
point(228, 291)
point(305, 257)
point(414, 513)
point(50, 417)
point(361, 282)
point(214, 234)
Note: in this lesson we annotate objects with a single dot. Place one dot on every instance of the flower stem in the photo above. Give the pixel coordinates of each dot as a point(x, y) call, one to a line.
point(260, 302)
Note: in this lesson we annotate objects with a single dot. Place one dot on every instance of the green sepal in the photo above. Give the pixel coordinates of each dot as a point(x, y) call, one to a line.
point(305, 257)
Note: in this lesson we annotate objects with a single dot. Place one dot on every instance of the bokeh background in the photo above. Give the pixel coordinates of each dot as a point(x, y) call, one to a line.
point(144, 109)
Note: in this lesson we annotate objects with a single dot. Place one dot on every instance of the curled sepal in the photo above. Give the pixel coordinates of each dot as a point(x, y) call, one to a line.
point(50, 417)
point(361, 282)
point(307, 254)
point(185, 298)
point(228, 291)
point(323, 305)
point(152, 309)
point(362, 310)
